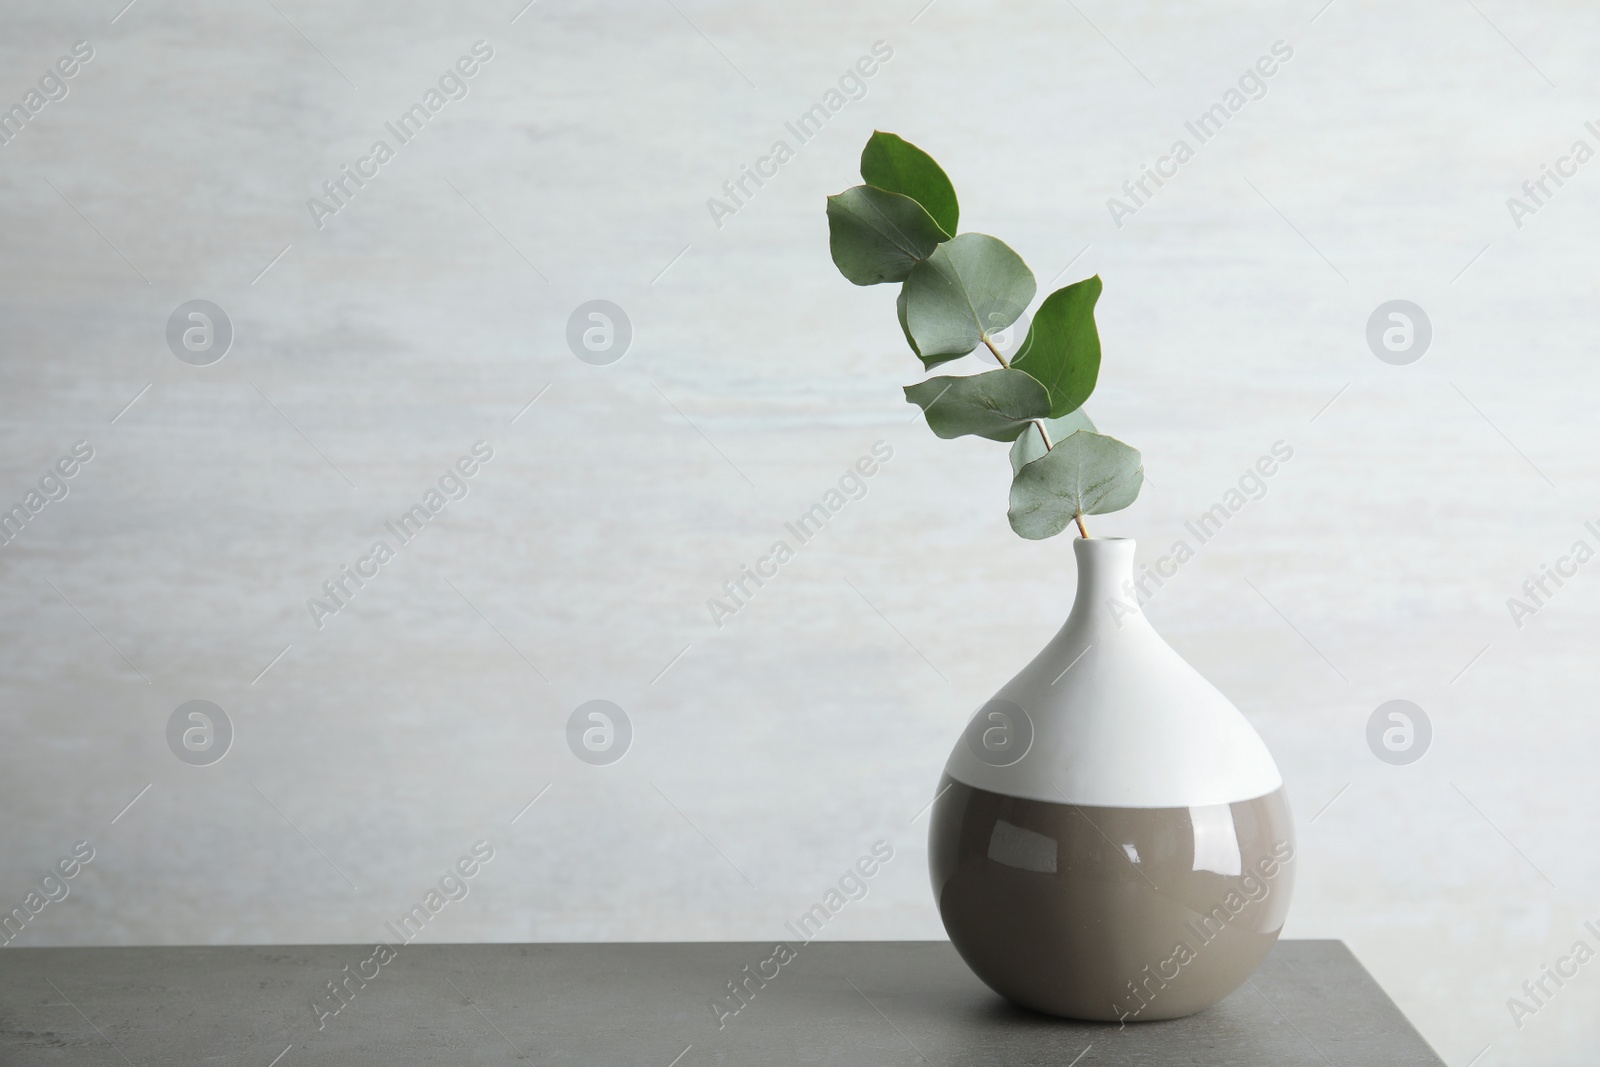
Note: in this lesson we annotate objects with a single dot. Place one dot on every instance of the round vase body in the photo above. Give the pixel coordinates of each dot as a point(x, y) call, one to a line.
point(1111, 839)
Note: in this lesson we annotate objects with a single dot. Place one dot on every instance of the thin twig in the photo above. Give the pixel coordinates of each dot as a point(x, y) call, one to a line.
point(990, 345)
point(1043, 436)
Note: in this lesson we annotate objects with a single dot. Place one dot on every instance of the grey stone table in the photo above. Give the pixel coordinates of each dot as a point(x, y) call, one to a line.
point(646, 1005)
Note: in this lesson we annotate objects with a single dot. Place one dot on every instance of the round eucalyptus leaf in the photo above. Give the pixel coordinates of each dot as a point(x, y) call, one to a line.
point(900, 313)
point(1062, 349)
point(997, 404)
point(877, 236)
point(970, 285)
point(1084, 474)
point(1029, 446)
point(892, 163)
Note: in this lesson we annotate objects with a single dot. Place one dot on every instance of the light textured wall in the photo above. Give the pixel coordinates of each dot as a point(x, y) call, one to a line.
point(775, 750)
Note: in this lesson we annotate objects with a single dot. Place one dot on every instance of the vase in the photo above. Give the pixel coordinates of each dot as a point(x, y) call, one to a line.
point(1111, 839)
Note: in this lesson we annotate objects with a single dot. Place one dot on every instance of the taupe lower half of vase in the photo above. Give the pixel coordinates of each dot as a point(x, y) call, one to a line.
point(1130, 914)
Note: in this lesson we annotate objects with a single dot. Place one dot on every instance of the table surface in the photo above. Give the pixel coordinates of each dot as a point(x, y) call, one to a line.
point(841, 1002)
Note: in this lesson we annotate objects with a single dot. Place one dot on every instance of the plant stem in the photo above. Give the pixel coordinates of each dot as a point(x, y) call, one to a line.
point(1039, 424)
point(996, 351)
point(1042, 435)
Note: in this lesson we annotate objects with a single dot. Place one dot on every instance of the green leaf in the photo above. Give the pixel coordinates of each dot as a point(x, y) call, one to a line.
point(1029, 447)
point(997, 404)
point(876, 236)
point(1062, 348)
point(900, 312)
point(890, 163)
point(971, 285)
point(1085, 474)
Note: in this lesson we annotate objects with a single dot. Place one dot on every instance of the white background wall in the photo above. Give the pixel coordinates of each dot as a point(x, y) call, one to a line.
point(778, 748)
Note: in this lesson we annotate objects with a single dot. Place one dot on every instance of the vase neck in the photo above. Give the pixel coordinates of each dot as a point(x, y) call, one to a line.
point(1105, 567)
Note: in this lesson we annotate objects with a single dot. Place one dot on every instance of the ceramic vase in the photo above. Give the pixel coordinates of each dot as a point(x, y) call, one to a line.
point(1111, 839)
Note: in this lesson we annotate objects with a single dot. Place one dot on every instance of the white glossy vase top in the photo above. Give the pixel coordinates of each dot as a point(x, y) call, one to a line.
point(1116, 717)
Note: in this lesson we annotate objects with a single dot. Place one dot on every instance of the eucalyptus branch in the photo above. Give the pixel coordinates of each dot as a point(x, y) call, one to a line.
point(902, 227)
